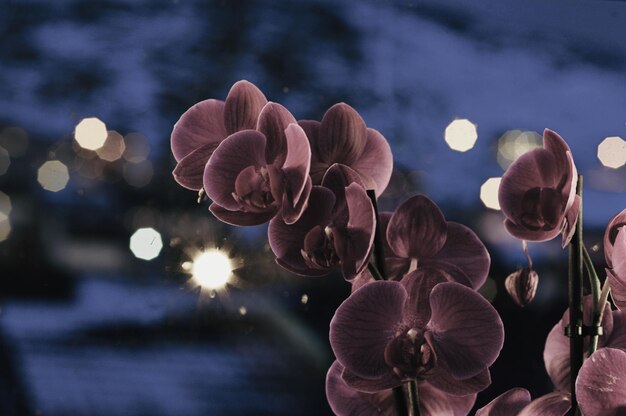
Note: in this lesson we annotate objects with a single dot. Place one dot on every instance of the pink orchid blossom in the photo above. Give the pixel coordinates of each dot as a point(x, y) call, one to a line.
point(538, 192)
point(615, 254)
point(342, 137)
point(206, 124)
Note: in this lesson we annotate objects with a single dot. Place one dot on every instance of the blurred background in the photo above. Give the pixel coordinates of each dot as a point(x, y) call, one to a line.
point(106, 306)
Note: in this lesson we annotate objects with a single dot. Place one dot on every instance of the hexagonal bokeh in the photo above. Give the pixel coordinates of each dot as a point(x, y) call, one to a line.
point(5, 161)
point(146, 243)
point(489, 193)
point(5, 226)
point(612, 152)
point(53, 176)
point(461, 135)
point(113, 147)
point(5, 204)
point(91, 133)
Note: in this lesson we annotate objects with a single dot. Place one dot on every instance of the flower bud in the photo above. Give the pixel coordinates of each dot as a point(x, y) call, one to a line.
point(522, 285)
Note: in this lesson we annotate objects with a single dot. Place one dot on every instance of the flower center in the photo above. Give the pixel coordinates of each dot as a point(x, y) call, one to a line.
point(542, 209)
point(252, 189)
point(410, 354)
point(319, 248)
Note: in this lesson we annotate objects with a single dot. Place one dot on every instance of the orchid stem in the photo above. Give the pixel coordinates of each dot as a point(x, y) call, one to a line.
point(598, 307)
point(374, 271)
point(414, 401)
point(379, 255)
point(575, 283)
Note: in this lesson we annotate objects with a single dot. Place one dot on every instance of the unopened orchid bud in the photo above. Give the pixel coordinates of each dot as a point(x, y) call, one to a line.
point(522, 285)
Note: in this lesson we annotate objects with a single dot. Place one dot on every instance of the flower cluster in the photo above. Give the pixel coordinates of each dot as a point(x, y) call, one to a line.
point(414, 321)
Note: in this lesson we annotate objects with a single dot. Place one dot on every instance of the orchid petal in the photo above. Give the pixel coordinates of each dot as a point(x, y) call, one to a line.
point(297, 162)
point(571, 216)
point(468, 331)
point(417, 228)
point(464, 249)
point(419, 284)
point(618, 275)
point(291, 212)
point(203, 123)
point(242, 106)
point(354, 247)
point(235, 153)
point(610, 234)
point(364, 324)
point(189, 171)
point(318, 167)
point(601, 383)
point(387, 381)
point(435, 402)
point(342, 135)
point(618, 336)
point(240, 218)
point(443, 380)
point(508, 403)
point(552, 404)
point(337, 178)
point(272, 122)
point(287, 241)
point(376, 161)
point(346, 401)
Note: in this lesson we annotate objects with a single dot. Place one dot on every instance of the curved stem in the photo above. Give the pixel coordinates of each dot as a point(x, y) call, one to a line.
point(374, 271)
point(598, 307)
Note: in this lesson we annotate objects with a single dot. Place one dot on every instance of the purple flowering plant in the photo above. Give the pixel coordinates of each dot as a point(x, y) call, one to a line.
point(414, 337)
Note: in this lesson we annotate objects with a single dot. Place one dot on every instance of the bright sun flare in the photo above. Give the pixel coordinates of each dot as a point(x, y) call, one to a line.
point(212, 269)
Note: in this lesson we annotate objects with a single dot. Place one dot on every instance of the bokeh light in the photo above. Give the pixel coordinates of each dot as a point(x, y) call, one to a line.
point(5, 226)
point(138, 174)
point(91, 133)
point(461, 135)
point(5, 204)
point(14, 140)
point(212, 269)
point(137, 148)
point(612, 152)
point(5, 160)
point(146, 243)
point(53, 176)
point(514, 143)
point(489, 193)
point(113, 147)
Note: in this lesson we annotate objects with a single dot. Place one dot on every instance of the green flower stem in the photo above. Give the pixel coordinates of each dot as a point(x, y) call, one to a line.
point(598, 307)
point(575, 283)
point(374, 271)
point(414, 401)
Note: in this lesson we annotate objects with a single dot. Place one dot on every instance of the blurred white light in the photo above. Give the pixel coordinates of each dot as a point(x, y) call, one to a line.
point(612, 152)
point(91, 133)
point(5, 204)
point(461, 135)
point(5, 161)
point(489, 193)
point(113, 147)
point(146, 243)
point(53, 176)
point(5, 226)
point(137, 147)
point(243, 310)
point(304, 299)
point(514, 143)
point(212, 269)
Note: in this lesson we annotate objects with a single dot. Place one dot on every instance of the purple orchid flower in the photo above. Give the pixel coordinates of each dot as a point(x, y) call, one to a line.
point(615, 254)
point(556, 354)
point(335, 231)
point(345, 400)
point(422, 328)
point(601, 383)
point(538, 192)
point(206, 124)
point(419, 237)
point(255, 174)
point(517, 402)
point(342, 137)
point(600, 391)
